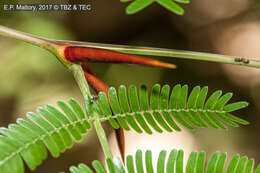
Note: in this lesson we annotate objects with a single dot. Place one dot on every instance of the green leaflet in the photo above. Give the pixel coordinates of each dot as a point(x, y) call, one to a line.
point(138, 5)
point(183, 1)
point(192, 162)
point(166, 109)
point(98, 167)
point(148, 161)
point(173, 163)
point(161, 161)
point(172, 6)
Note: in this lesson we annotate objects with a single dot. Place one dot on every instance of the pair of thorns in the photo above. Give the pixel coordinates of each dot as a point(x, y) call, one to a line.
point(81, 55)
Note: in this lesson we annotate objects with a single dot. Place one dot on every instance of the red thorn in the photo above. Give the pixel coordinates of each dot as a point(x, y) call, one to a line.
point(120, 137)
point(99, 86)
point(86, 54)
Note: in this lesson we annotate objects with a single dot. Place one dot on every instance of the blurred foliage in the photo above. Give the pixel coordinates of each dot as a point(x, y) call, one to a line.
point(35, 62)
point(30, 68)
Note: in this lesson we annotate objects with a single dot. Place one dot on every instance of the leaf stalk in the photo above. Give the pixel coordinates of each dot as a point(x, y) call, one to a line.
point(83, 85)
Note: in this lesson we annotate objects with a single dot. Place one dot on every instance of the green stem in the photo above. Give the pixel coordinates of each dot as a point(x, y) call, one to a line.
point(80, 79)
point(83, 85)
point(48, 44)
point(102, 136)
point(52, 46)
point(35, 40)
point(139, 50)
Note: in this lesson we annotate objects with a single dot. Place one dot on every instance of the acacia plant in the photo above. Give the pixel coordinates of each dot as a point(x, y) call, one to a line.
point(165, 108)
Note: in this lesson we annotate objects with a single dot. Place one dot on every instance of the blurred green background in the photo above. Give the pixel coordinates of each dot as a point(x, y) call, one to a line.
point(31, 77)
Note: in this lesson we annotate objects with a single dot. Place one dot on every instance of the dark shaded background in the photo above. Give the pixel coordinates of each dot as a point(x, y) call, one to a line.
point(32, 77)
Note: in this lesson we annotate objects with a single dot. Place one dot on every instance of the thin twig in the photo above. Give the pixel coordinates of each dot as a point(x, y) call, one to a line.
point(138, 50)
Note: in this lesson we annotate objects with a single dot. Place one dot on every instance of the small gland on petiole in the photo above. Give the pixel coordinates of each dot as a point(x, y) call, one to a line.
point(93, 99)
point(242, 60)
point(246, 61)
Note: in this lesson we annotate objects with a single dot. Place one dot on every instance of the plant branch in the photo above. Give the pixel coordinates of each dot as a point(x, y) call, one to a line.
point(48, 44)
point(35, 40)
point(102, 136)
point(53, 45)
point(139, 50)
point(81, 81)
point(83, 85)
